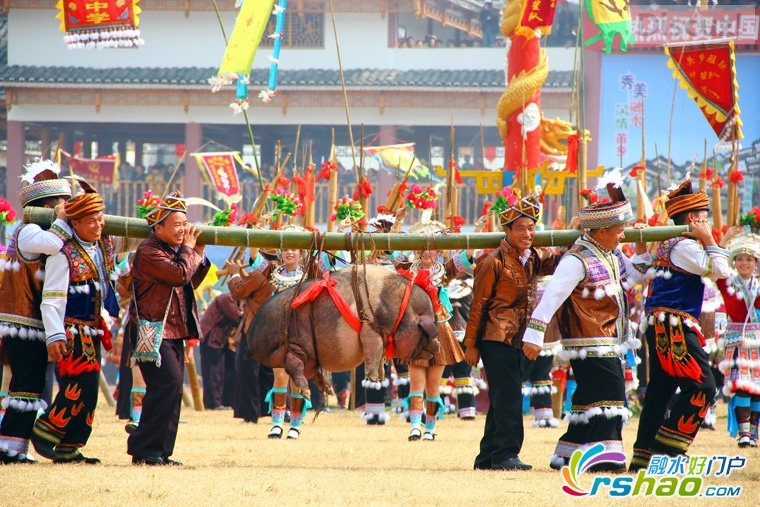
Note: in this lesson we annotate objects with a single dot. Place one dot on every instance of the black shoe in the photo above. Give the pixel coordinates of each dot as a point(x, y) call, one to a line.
point(149, 460)
point(43, 447)
point(513, 463)
point(5, 459)
point(482, 466)
point(172, 463)
point(77, 459)
point(130, 427)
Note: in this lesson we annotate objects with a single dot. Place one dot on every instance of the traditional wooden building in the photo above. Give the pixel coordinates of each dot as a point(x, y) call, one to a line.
point(159, 93)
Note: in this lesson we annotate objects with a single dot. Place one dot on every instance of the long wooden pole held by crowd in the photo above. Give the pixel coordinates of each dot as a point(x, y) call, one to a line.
point(717, 205)
point(240, 237)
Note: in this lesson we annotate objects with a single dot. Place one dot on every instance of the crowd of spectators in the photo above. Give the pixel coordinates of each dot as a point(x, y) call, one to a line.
point(155, 174)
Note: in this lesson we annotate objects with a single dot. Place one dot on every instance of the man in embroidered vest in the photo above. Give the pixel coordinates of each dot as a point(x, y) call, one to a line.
point(504, 292)
point(674, 338)
point(21, 327)
point(167, 266)
point(588, 294)
point(78, 304)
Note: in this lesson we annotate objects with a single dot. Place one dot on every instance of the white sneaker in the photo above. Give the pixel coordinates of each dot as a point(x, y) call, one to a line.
point(745, 441)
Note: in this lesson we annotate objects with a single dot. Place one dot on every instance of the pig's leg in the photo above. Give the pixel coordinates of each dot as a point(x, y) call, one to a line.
point(295, 368)
point(372, 343)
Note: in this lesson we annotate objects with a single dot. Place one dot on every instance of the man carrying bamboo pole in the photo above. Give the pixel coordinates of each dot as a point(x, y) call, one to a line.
point(588, 294)
point(504, 292)
point(21, 326)
point(167, 266)
point(674, 338)
point(78, 305)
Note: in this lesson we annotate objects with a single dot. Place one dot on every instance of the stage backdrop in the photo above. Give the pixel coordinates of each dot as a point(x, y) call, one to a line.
point(625, 78)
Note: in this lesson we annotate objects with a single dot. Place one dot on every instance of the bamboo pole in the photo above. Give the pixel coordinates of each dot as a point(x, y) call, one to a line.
point(703, 171)
point(106, 390)
point(309, 215)
point(195, 386)
point(238, 236)
point(332, 186)
point(717, 206)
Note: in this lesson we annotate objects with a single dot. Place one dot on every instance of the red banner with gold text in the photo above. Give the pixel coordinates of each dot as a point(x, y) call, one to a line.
point(707, 72)
point(536, 15)
point(221, 171)
point(98, 170)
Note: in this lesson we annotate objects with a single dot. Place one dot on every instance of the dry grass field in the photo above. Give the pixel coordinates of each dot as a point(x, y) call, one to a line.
point(339, 460)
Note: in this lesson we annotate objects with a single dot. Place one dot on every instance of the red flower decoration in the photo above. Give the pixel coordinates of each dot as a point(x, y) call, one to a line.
point(456, 222)
point(707, 175)
point(636, 170)
point(248, 220)
point(653, 220)
point(736, 177)
point(7, 213)
point(718, 181)
point(327, 167)
point(283, 182)
point(365, 188)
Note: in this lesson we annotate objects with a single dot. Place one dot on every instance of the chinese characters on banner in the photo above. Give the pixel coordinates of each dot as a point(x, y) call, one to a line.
point(679, 24)
point(91, 24)
point(628, 114)
point(707, 72)
point(676, 24)
point(222, 173)
point(98, 170)
point(536, 15)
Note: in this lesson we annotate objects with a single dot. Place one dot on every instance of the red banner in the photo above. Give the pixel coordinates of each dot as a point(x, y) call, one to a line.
point(222, 172)
point(707, 73)
point(97, 14)
point(537, 15)
point(98, 170)
point(656, 26)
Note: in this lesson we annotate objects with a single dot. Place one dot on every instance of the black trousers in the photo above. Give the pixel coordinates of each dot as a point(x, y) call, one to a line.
point(672, 435)
point(124, 386)
point(157, 432)
point(28, 363)
point(538, 373)
point(212, 369)
point(228, 388)
point(247, 396)
point(67, 422)
point(504, 433)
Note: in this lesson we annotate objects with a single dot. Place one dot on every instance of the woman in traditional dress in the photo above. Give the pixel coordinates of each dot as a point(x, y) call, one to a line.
point(741, 362)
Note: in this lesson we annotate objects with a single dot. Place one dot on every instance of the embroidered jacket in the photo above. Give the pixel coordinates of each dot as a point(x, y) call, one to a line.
point(24, 272)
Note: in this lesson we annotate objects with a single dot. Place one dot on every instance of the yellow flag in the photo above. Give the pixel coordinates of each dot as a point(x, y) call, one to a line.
point(246, 36)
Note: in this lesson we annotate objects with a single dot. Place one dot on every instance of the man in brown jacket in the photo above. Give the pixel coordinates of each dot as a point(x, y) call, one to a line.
point(168, 265)
point(219, 323)
point(504, 295)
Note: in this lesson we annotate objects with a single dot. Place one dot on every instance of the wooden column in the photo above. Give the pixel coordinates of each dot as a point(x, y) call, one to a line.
point(16, 159)
point(193, 142)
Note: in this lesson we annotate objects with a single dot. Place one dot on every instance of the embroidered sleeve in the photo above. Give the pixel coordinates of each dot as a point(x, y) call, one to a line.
point(54, 290)
point(637, 266)
point(259, 263)
point(569, 273)
point(711, 262)
point(34, 241)
point(463, 262)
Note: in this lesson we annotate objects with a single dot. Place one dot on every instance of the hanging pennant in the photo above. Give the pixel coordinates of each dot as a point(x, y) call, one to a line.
point(100, 24)
point(707, 71)
point(220, 169)
point(241, 49)
point(100, 170)
point(536, 15)
point(611, 17)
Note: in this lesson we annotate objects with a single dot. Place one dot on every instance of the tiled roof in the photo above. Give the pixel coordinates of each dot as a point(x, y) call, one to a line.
point(308, 78)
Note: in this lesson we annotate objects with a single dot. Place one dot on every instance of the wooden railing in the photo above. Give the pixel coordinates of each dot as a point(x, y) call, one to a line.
point(122, 200)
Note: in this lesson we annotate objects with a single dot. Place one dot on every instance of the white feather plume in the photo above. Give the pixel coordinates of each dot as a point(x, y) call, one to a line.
point(615, 176)
point(36, 167)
